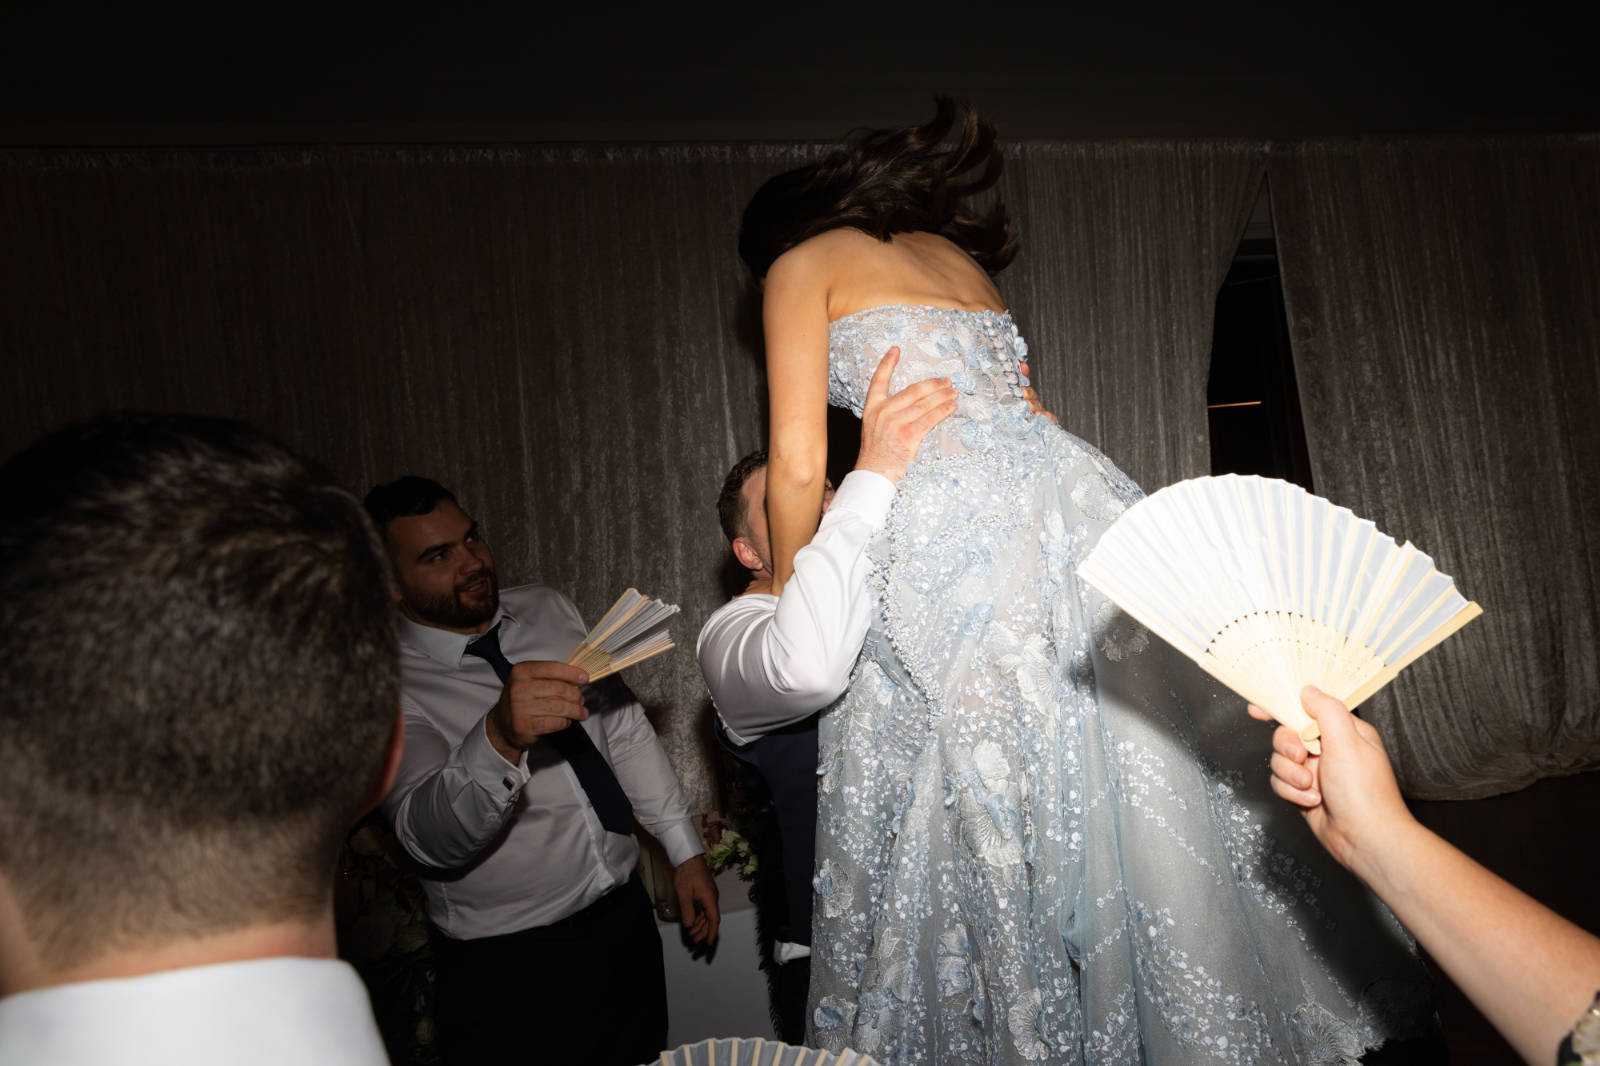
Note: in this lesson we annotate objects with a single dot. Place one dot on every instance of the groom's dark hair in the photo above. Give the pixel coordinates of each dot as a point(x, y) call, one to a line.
point(731, 509)
point(198, 677)
point(405, 497)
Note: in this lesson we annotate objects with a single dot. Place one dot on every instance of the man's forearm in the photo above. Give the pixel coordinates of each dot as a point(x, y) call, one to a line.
point(652, 786)
point(769, 664)
point(447, 813)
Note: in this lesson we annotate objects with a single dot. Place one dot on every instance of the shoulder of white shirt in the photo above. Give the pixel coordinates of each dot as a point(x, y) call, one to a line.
point(532, 598)
point(256, 1010)
point(863, 494)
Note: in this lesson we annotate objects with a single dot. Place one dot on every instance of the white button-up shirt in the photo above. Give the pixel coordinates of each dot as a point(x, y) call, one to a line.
point(771, 661)
point(264, 1012)
point(517, 845)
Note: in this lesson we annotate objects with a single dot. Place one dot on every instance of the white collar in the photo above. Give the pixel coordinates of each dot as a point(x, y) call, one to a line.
point(444, 646)
point(263, 1012)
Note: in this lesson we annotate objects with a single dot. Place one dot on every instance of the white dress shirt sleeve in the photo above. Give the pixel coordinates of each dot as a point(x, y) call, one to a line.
point(647, 777)
point(447, 802)
point(772, 661)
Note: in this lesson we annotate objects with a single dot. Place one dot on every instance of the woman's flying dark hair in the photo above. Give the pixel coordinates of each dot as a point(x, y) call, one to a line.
point(885, 182)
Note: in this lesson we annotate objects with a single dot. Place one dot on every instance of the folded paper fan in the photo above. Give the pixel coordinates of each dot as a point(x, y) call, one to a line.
point(1269, 589)
point(633, 630)
point(757, 1052)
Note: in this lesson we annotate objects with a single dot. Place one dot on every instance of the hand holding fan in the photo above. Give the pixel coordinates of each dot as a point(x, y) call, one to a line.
point(633, 630)
point(1269, 589)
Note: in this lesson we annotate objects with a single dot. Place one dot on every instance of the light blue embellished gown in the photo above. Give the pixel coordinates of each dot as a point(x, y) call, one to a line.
point(1044, 836)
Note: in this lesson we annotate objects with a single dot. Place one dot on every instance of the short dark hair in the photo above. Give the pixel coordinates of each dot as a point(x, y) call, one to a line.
point(198, 675)
point(731, 509)
point(883, 182)
point(404, 497)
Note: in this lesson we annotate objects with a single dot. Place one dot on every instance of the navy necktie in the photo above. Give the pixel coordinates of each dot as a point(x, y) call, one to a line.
point(573, 744)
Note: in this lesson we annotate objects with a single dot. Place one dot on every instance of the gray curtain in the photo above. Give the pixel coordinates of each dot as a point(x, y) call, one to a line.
point(563, 335)
point(1125, 245)
point(1442, 299)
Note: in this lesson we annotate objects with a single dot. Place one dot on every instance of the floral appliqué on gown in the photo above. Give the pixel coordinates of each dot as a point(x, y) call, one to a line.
point(1043, 836)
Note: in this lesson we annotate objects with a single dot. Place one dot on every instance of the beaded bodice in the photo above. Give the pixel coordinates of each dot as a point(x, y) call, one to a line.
point(978, 350)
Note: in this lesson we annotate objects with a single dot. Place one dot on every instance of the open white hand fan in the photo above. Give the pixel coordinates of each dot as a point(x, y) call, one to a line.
point(757, 1052)
point(1269, 588)
point(633, 630)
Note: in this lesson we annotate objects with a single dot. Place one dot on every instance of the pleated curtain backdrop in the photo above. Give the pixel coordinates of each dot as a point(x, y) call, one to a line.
point(1444, 306)
point(565, 336)
point(1125, 245)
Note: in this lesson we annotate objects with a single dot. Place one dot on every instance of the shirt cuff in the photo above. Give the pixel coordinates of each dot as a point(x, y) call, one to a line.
point(865, 493)
point(679, 840)
point(489, 769)
point(734, 738)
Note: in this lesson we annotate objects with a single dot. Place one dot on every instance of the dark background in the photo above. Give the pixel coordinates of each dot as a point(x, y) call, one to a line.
point(86, 73)
point(83, 74)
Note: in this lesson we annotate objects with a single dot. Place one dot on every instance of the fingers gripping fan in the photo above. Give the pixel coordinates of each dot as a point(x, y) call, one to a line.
point(1269, 588)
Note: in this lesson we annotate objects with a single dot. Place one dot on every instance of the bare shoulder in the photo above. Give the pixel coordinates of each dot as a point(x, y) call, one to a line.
point(851, 269)
point(824, 254)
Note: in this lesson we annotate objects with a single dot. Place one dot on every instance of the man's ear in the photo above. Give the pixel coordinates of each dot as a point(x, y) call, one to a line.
point(745, 552)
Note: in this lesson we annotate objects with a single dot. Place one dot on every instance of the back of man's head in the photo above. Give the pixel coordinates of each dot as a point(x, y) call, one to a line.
point(198, 677)
point(733, 513)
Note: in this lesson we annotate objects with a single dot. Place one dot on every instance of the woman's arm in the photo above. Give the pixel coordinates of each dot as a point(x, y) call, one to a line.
point(795, 320)
point(1530, 971)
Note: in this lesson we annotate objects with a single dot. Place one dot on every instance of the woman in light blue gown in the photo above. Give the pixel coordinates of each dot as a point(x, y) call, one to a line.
point(1043, 836)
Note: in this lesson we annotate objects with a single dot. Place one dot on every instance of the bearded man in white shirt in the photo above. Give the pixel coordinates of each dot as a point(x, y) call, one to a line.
point(517, 793)
point(198, 682)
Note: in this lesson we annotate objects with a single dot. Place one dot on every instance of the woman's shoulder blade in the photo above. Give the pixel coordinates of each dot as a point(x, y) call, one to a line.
point(888, 275)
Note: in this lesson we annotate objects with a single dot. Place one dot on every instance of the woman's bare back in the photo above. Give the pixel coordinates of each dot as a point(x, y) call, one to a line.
point(909, 268)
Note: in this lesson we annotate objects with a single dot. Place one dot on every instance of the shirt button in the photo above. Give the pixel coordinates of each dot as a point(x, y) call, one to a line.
point(506, 782)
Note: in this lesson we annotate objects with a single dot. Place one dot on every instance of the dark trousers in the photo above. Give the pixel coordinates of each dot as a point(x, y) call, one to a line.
point(783, 765)
point(589, 990)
